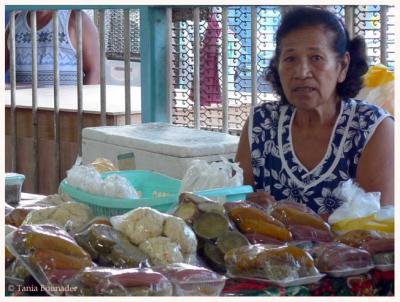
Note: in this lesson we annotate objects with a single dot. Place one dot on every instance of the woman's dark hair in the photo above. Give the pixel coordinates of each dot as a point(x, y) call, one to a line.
point(305, 16)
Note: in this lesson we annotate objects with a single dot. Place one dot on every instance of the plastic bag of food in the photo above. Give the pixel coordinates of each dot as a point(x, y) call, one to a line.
point(334, 256)
point(178, 231)
point(95, 220)
point(69, 215)
point(360, 211)
point(162, 250)
point(379, 87)
point(49, 253)
point(117, 186)
point(16, 272)
point(15, 216)
point(283, 263)
point(202, 175)
point(88, 179)
point(103, 165)
point(85, 178)
point(215, 233)
point(302, 222)
point(190, 280)
point(164, 238)
point(191, 206)
point(52, 200)
point(252, 220)
point(102, 281)
point(9, 257)
point(110, 247)
point(140, 224)
point(380, 245)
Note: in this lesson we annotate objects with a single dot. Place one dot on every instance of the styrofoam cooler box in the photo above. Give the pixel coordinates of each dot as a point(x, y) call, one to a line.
point(160, 147)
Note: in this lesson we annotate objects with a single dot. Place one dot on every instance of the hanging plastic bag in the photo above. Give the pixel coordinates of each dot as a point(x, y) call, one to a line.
point(202, 175)
point(361, 211)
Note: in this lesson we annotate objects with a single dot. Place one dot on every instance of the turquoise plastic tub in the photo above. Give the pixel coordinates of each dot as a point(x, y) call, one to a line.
point(157, 191)
point(13, 187)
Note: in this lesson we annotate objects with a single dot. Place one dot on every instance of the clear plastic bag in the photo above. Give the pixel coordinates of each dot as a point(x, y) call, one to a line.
point(49, 254)
point(373, 241)
point(102, 281)
point(103, 165)
point(88, 179)
point(250, 219)
point(202, 175)
point(163, 237)
point(69, 215)
point(361, 211)
point(191, 206)
point(110, 247)
point(301, 221)
point(334, 256)
point(190, 280)
point(270, 262)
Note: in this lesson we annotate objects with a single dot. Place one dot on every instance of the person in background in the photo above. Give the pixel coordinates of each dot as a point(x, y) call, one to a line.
point(6, 19)
point(316, 135)
point(68, 42)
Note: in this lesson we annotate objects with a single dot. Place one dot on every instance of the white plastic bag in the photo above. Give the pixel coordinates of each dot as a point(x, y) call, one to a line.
point(357, 203)
point(88, 179)
point(85, 178)
point(202, 175)
point(115, 185)
point(361, 211)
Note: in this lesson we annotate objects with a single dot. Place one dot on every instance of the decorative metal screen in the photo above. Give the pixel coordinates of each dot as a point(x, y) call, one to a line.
point(114, 34)
point(366, 22)
point(239, 65)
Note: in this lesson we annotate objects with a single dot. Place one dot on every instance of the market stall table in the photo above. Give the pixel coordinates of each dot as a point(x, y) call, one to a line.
point(373, 283)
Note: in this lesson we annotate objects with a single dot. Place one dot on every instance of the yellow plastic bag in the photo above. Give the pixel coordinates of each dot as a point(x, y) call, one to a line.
point(361, 211)
point(379, 87)
point(365, 223)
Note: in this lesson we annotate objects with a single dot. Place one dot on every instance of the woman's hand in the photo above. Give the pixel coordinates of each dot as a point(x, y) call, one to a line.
point(264, 199)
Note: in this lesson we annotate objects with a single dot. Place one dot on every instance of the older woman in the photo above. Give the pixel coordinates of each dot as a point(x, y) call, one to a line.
point(316, 136)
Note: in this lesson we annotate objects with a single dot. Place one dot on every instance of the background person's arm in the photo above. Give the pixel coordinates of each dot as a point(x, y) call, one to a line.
point(6, 51)
point(91, 51)
point(90, 47)
point(375, 170)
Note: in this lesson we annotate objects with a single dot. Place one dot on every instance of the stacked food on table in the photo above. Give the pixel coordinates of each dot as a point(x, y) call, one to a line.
point(192, 249)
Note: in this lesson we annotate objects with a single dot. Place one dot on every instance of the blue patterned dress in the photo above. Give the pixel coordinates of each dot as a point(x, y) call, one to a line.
point(276, 168)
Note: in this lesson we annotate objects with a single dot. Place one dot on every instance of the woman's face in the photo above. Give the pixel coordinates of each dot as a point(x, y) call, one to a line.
point(309, 69)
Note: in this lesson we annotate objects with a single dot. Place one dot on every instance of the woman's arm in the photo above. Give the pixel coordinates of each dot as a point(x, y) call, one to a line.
point(243, 156)
point(375, 171)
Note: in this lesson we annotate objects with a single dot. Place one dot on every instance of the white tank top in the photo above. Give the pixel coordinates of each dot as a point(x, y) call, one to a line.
point(66, 57)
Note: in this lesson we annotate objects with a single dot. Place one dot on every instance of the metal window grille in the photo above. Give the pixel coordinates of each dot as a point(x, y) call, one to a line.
point(367, 22)
point(114, 33)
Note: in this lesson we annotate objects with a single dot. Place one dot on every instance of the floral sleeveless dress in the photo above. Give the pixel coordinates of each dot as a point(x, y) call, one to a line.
point(276, 168)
